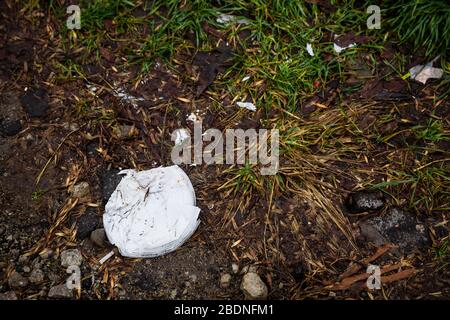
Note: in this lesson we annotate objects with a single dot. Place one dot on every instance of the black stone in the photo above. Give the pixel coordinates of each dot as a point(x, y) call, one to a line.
point(87, 223)
point(298, 272)
point(109, 179)
point(91, 149)
point(10, 128)
point(34, 103)
point(146, 282)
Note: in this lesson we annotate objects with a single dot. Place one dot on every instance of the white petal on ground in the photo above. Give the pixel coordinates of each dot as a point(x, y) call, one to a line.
point(151, 212)
point(310, 49)
point(247, 105)
point(422, 73)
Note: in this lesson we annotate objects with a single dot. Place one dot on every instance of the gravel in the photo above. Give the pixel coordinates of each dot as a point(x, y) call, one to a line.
point(10, 295)
point(71, 257)
point(37, 276)
point(17, 281)
point(225, 280)
point(253, 287)
point(60, 292)
point(81, 190)
point(98, 237)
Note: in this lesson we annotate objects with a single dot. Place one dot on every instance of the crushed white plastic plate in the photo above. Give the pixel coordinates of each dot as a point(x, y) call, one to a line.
point(151, 212)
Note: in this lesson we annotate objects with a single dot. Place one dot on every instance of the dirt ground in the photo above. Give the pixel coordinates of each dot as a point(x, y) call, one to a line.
point(305, 242)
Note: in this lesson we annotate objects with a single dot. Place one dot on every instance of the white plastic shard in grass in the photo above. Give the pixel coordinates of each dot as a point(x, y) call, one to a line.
point(310, 49)
point(224, 18)
point(422, 73)
point(246, 105)
point(339, 49)
point(151, 212)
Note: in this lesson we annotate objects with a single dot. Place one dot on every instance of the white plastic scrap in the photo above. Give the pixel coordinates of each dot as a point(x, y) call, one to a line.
point(247, 105)
point(121, 94)
point(422, 73)
point(228, 18)
point(181, 135)
point(310, 49)
point(92, 88)
point(106, 257)
point(339, 49)
point(192, 117)
point(151, 212)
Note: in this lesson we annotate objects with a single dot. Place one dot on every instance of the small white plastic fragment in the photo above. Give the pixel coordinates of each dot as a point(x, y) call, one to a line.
point(310, 49)
point(124, 96)
point(192, 117)
point(245, 78)
point(181, 135)
point(92, 88)
point(151, 212)
point(228, 18)
point(247, 105)
point(339, 49)
point(422, 73)
point(106, 257)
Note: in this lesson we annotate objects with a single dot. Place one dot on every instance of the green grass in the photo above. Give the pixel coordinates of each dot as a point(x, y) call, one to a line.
point(424, 23)
point(441, 255)
point(281, 75)
point(432, 132)
point(37, 195)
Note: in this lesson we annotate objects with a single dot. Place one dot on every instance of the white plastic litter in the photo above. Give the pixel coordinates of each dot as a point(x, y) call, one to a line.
point(310, 49)
point(181, 135)
point(247, 105)
point(106, 257)
point(151, 212)
point(228, 18)
point(339, 49)
point(422, 73)
point(192, 117)
point(126, 97)
point(119, 93)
